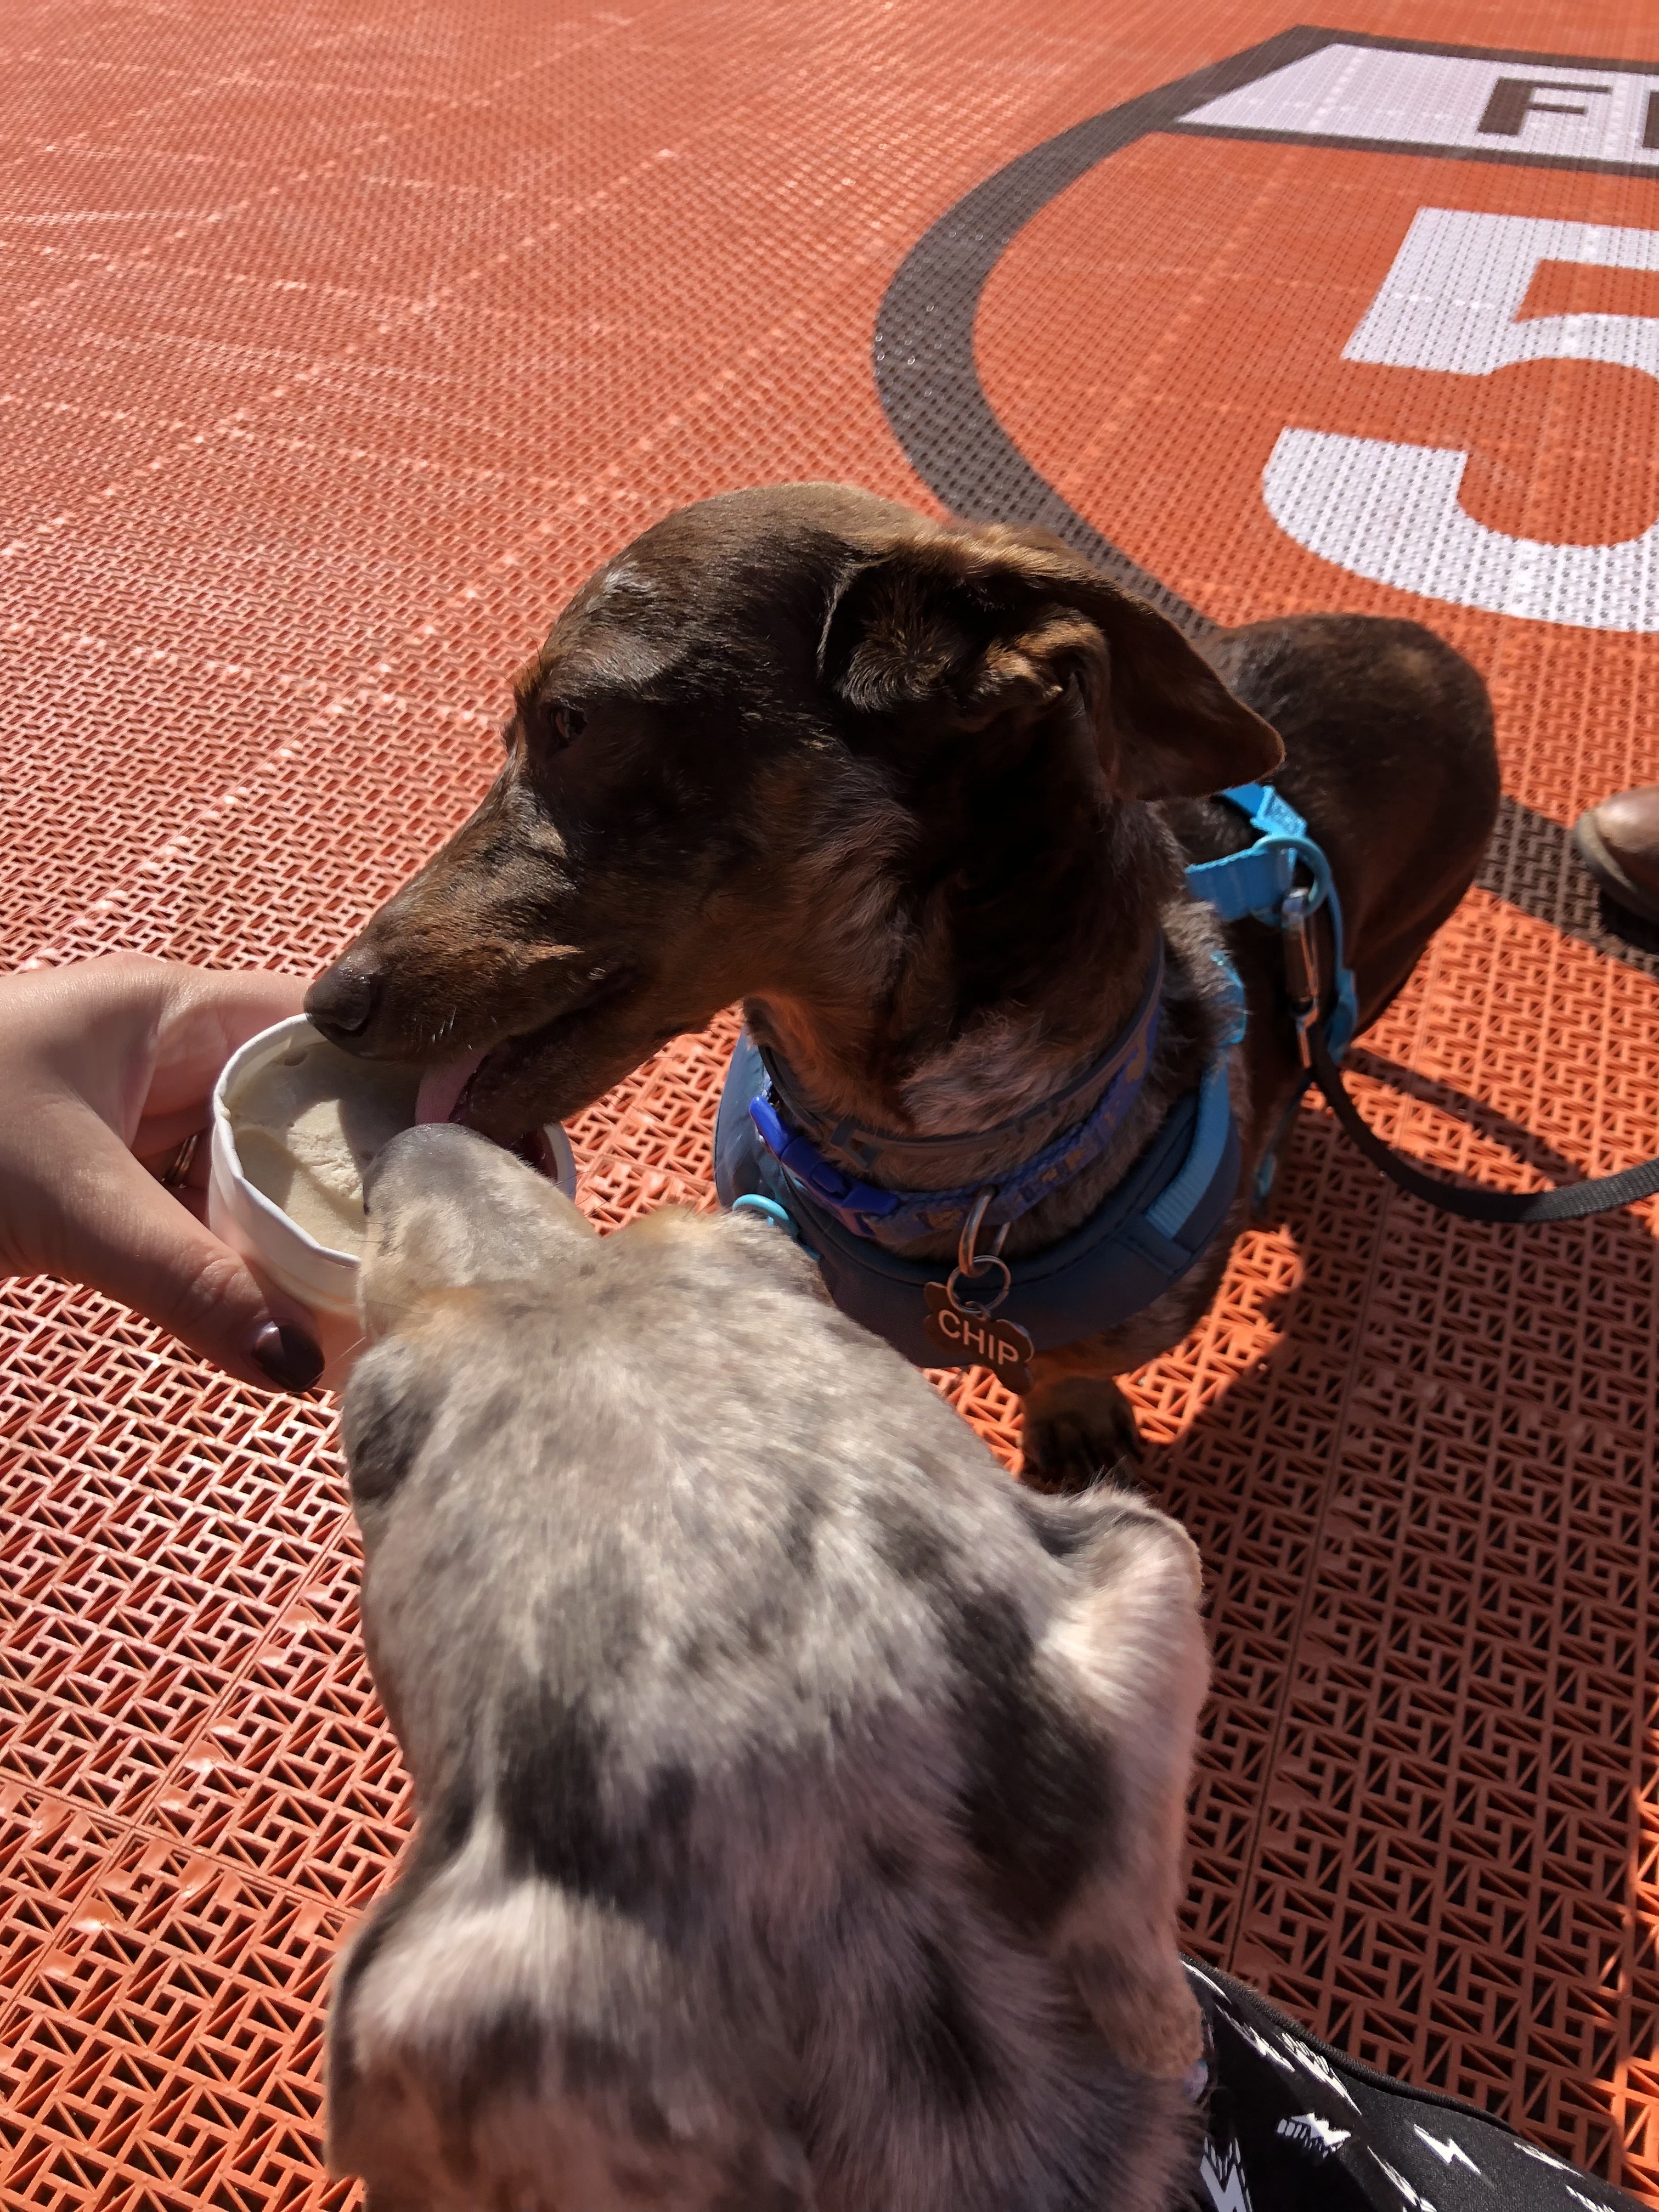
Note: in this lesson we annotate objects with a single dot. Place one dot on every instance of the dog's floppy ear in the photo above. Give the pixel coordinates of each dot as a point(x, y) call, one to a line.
point(969, 627)
point(387, 1416)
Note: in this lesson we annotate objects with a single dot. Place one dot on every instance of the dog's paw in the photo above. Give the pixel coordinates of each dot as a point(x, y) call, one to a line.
point(1078, 1433)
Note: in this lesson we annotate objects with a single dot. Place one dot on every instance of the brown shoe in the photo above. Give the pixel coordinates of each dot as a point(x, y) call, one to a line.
point(1619, 843)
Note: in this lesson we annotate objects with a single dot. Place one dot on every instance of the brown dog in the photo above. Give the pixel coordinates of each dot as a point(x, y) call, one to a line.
point(920, 797)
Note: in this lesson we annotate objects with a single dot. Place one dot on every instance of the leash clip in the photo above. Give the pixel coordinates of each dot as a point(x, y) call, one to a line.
point(1301, 978)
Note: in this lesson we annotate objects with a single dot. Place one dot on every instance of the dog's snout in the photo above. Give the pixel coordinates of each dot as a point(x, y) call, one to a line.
point(341, 1002)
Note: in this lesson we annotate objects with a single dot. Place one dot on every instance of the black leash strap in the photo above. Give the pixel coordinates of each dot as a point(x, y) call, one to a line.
point(1571, 1202)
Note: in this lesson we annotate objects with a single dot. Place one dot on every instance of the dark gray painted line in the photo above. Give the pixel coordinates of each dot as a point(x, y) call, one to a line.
point(925, 369)
point(1413, 149)
point(1522, 56)
point(928, 382)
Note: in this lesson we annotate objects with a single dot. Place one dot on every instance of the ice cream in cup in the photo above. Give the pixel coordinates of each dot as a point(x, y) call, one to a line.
point(295, 1123)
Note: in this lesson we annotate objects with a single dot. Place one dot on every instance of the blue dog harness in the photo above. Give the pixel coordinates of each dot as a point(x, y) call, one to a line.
point(1145, 1234)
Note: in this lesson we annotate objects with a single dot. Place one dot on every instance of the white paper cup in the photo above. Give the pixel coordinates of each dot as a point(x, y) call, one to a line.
point(306, 1279)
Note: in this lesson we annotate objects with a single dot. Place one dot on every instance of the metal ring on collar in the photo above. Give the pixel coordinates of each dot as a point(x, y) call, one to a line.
point(967, 1257)
point(973, 1221)
point(971, 1262)
point(979, 1310)
point(1312, 857)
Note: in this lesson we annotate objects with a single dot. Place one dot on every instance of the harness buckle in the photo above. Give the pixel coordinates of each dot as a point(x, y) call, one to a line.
point(1302, 976)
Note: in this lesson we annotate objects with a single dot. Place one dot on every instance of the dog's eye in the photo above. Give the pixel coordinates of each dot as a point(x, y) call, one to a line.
point(569, 721)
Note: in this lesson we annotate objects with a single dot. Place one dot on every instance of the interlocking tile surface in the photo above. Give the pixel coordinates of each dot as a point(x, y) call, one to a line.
point(335, 346)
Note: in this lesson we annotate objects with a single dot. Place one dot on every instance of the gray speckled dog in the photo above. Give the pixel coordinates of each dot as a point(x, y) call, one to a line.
point(801, 1802)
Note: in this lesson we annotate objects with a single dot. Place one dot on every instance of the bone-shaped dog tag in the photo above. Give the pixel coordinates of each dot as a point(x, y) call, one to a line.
point(979, 1339)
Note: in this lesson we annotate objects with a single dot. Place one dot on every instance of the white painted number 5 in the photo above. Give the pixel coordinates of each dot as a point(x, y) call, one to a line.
point(1391, 512)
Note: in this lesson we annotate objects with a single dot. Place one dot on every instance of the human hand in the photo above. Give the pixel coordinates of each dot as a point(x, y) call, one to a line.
point(106, 1068)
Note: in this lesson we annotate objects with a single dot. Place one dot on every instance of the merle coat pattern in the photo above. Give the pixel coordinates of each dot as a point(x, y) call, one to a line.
point(800, 1801)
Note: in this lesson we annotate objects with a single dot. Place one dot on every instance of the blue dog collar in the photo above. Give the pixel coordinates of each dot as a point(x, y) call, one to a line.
point(1144, 1237)
point(1146, 1234)
point(904, 1216)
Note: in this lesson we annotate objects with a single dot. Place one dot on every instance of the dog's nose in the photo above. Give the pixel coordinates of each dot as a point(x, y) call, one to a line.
point(341, 1002)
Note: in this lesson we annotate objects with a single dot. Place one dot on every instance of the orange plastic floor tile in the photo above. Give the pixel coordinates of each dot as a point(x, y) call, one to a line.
point(335, 346)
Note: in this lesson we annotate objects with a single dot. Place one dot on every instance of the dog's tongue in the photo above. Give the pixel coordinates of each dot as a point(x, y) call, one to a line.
point(441, 1087)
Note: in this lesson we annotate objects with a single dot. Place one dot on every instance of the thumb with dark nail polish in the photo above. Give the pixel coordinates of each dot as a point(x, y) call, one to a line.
point(111, 1224)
